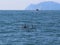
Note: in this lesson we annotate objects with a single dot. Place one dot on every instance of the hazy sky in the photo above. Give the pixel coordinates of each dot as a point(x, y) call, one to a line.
point(19, 4)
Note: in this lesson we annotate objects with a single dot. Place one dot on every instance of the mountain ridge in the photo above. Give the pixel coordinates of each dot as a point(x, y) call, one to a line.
point(44, 6)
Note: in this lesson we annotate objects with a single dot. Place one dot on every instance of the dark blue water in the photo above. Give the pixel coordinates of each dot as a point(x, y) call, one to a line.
point(29, 27)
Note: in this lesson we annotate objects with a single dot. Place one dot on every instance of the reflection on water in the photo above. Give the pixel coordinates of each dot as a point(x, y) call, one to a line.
point(29, 28)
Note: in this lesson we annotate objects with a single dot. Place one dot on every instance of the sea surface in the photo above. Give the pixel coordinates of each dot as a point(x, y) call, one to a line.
point(29, 27)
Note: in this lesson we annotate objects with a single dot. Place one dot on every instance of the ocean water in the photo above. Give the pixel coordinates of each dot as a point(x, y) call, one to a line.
point(29, 27)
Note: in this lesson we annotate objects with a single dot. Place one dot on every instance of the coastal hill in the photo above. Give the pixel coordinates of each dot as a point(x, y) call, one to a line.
point(44, 6)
